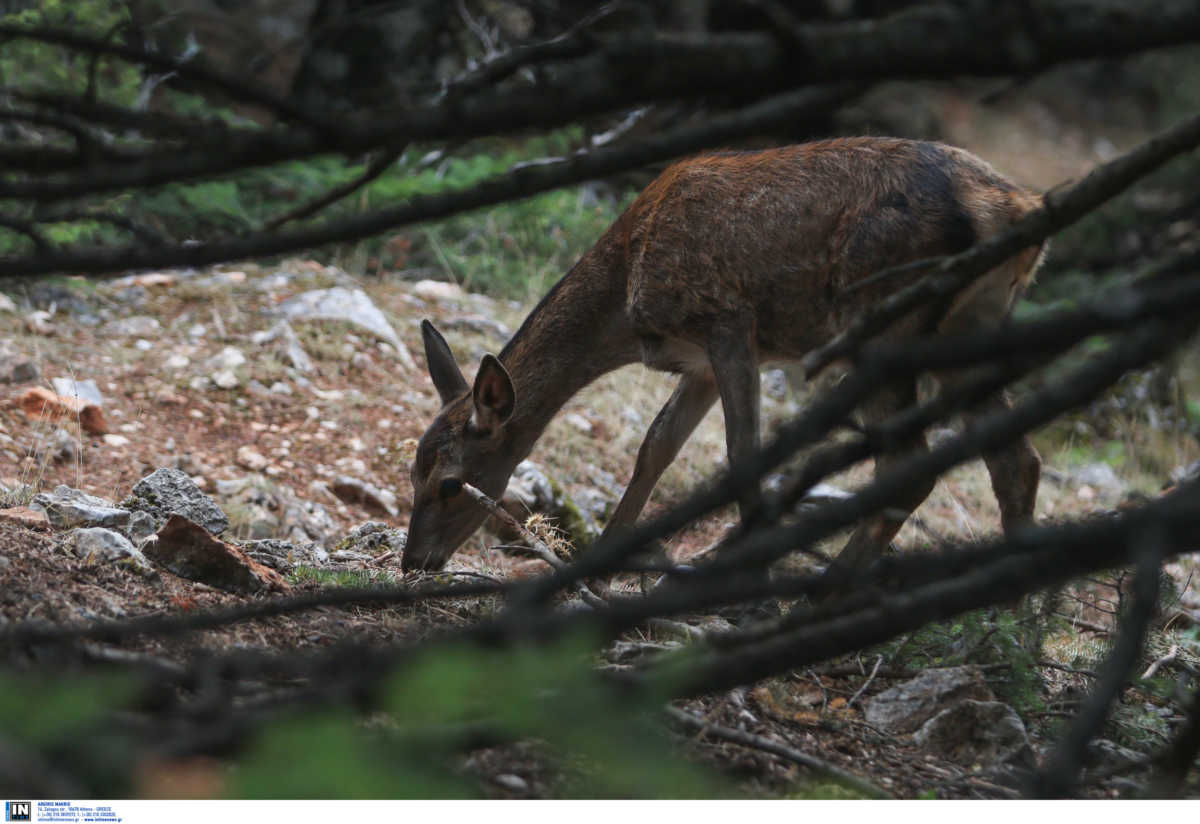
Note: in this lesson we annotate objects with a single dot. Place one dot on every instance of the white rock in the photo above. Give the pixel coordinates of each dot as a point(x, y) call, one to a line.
point(251, 459)
point(176, 362)
point(225, 379)
point(112, 439)
point(437, 290)
point(7, 304)
point(86, 391)
point(228, 358)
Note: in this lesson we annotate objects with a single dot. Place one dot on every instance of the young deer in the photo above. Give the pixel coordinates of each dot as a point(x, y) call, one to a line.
point(724, 262)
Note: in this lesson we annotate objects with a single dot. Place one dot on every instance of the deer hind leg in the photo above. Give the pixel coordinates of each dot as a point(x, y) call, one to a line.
point(873, 535)
point(734, 358)
point(691, 400)
point(1015, 471)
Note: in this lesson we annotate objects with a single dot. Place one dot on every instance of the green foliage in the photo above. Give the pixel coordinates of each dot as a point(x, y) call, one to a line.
point(981, 637)
point(44, 710)
point(606, 737)
point(333, 755)
point(356, 578)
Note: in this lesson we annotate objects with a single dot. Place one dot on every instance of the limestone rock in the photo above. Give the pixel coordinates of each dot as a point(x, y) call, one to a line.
point(169, 491)
point(905, 707)
point(67, 508)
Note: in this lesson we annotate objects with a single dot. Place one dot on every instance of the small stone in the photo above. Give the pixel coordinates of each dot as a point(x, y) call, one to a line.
point(85, 391)
point(176, 362)
point(143, 345)
point(38, 322)
point(7, 304)
point(16, 368)
point(65, 447)
point(280, 388)
point(228, 358)
point(116, 440)
point(26, 517)
point(139, 326)
point(225, 379)
point(251, 459)
point(40, 403)
point(438, 290)
point(356, 491)
point(578, 422)
point(512, 783)
point(99, 545)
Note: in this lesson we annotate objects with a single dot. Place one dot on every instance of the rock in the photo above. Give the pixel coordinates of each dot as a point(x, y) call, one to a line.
point(66, 508)
point(530, 490)
point(977, 732)
point(188, 550)
point(477, 323)
point(775, 384)
point(342, 304)
point(169, 491)
point(138, 326)
point(86, 391)
point(285, 556)
point(116, 441)
point(65, 447)
point(578, 422)
point(228, 358)
point(438, 290)
point(16, 367)
point(7, 304)
point(225, 379)
point(290, 346)
point(41, 404)
point(251, 459)
point(512, 783)
point(176, 362)
point(374, 538)
point(26, 517)
point(1101, 476)
point(905, 707)
point(146, 281)
point(39, 323)
point(355, 491)
point(141, 526)
point(97, 545)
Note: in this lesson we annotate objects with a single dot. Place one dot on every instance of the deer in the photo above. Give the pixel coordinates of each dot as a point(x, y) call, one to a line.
point(726, 262)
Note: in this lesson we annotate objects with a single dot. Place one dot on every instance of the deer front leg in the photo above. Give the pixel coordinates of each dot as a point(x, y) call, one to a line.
point(692, 398)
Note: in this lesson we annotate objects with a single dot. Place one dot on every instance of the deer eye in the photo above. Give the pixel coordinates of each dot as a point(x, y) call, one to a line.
point(449, 488)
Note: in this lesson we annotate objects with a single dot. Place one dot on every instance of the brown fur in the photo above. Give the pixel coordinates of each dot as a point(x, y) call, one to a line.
point(725, 261)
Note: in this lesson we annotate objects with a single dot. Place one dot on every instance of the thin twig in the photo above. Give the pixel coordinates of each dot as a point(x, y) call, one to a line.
point(536, 545)
point(867, 683)
point(781, 750)
point(1169, 658)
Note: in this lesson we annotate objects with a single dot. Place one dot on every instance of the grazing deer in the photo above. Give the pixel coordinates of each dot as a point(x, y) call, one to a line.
point(724, 262)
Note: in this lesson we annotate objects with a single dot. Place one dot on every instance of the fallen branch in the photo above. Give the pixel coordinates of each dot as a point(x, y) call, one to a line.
point(757, 742)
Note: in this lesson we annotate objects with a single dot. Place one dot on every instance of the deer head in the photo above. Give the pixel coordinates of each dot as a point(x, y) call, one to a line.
point(467, 443)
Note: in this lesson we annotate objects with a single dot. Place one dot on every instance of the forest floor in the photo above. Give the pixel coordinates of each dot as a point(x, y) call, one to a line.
point(199, 392)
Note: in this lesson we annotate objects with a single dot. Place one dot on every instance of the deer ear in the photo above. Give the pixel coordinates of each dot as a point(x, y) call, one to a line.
point(494, 395)
point(447, 377)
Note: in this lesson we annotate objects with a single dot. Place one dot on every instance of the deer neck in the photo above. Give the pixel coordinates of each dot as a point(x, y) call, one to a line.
point(578, 332)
